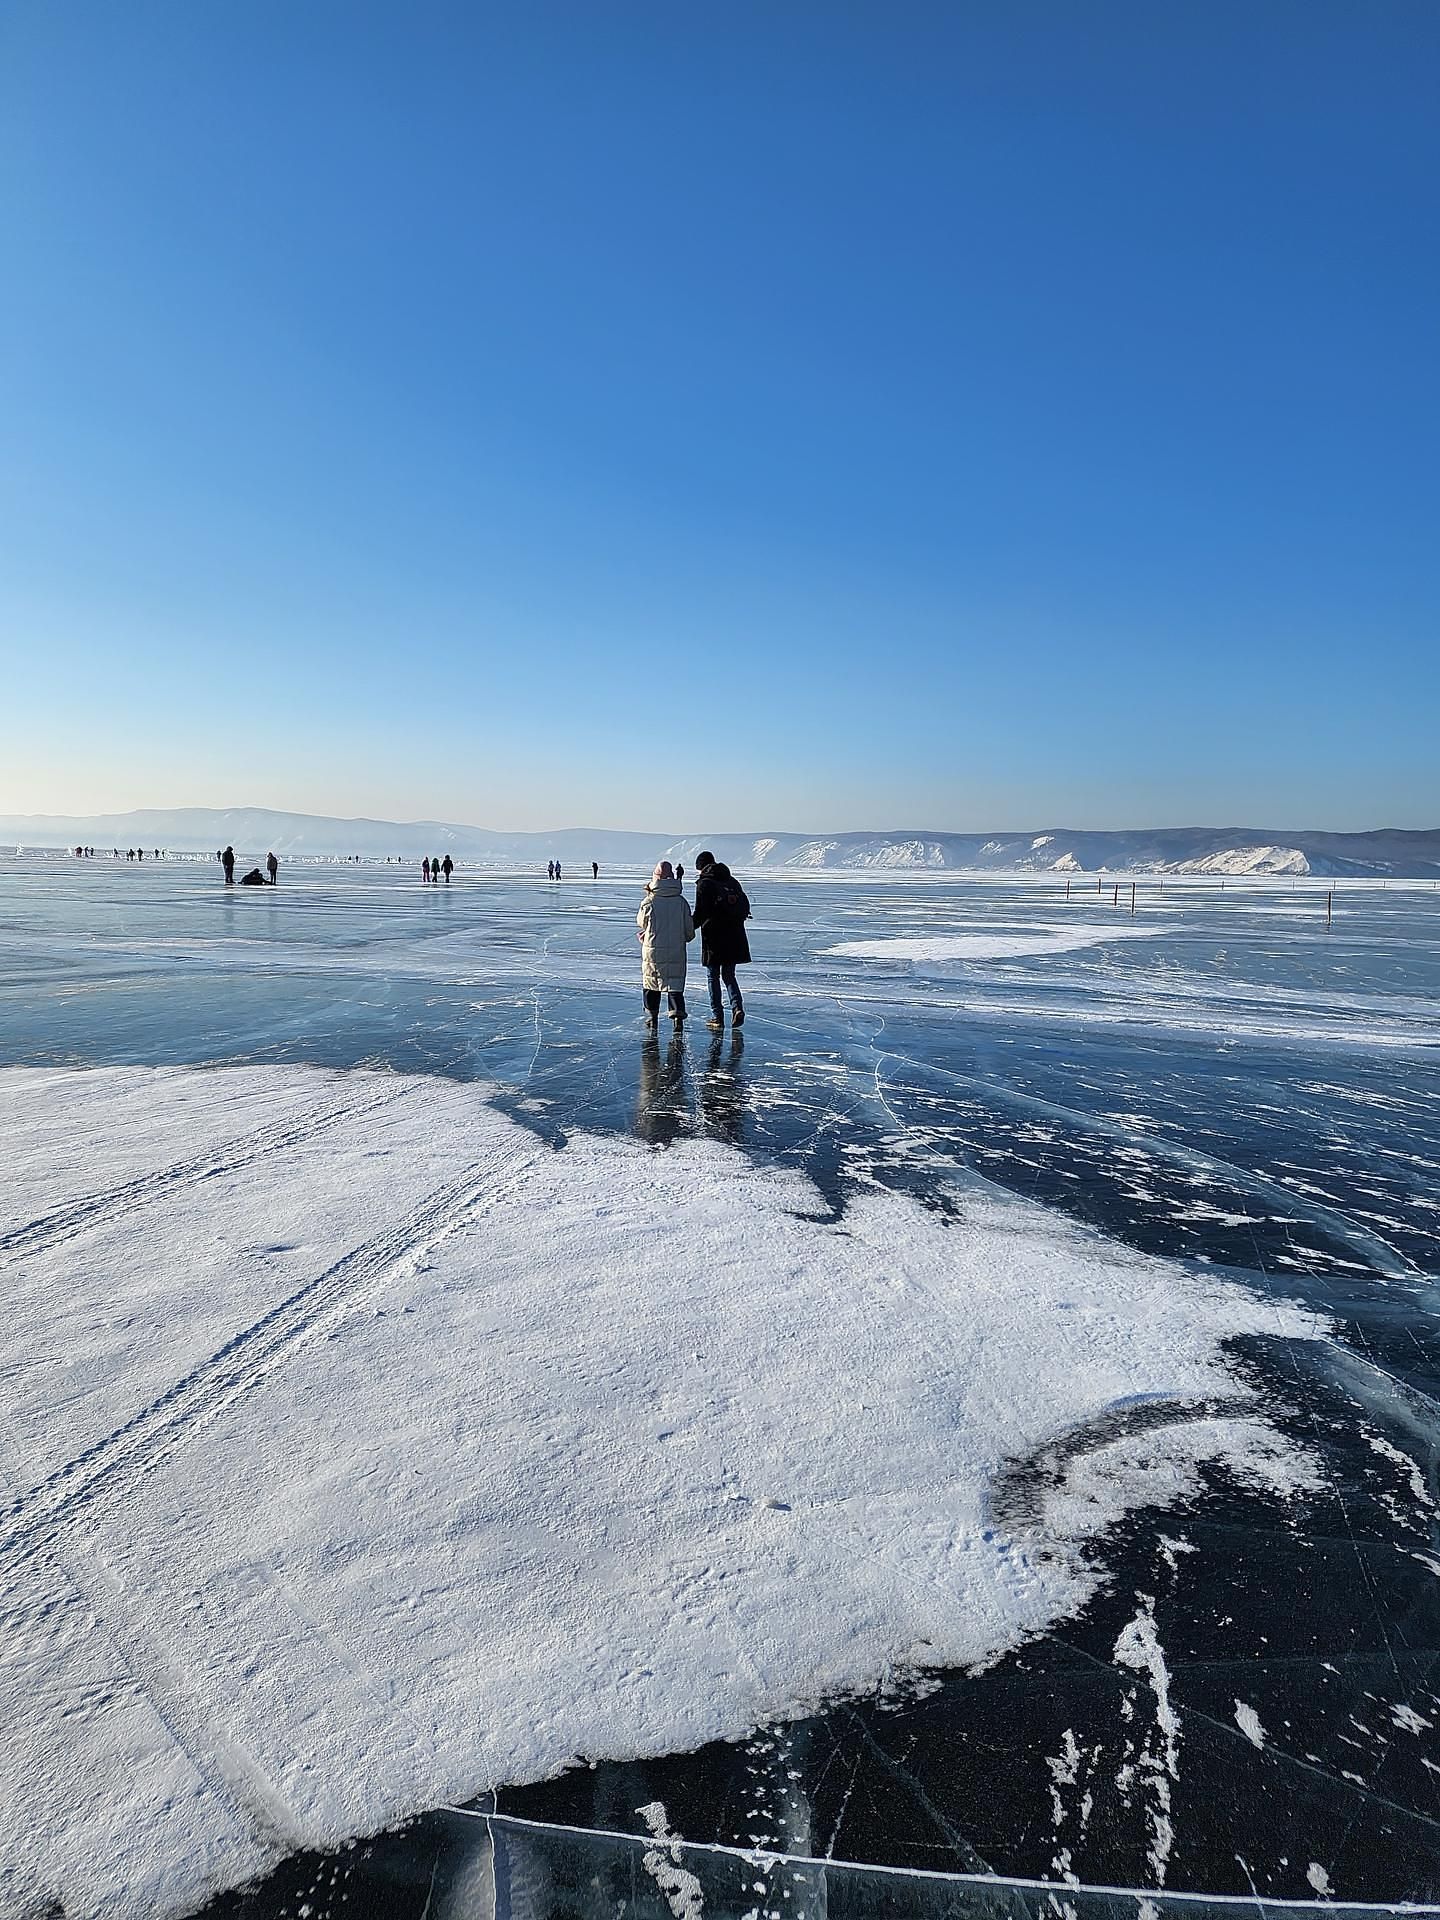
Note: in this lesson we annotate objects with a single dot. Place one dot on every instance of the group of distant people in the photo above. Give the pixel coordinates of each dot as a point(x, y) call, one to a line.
point(254, 878)
point(130, 853)
point(666, 924)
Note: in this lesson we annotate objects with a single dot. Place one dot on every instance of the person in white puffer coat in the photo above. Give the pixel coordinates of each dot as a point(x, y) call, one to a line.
point(666, 929)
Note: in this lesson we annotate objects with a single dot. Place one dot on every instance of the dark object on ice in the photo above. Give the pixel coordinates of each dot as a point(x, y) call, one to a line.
point(254, 878)
point(680, 870)
point(425, 869)
point(447, 867)
point(272, 867)
point(557, 869)
point(594, 869)
point(227, 860)
point(721, 909)
point(434, 871)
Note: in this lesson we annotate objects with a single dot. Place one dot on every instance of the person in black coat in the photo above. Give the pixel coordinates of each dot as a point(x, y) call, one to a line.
point(721, 910)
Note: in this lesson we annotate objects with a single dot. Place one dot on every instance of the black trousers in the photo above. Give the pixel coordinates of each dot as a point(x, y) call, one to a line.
point(652, 1003)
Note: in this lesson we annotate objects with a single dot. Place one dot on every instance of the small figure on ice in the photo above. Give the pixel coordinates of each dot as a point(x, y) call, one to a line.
point(447, 867)
point(272, 867)
point(227, 860)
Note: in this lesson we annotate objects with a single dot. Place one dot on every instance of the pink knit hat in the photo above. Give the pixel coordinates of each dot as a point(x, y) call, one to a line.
point(663, 872)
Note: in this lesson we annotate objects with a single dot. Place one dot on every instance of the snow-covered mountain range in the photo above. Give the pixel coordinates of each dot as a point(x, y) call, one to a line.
point(1397, 852)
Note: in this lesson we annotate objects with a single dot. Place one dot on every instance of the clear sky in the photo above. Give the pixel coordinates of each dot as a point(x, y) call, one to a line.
point(772, 415)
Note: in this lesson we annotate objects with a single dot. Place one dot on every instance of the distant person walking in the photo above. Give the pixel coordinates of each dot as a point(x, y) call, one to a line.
point(680, 873)
point(425, 870)
point(272, 867)
point(665, 928)
point(594, 869)
point(549, 869)
point(447, 867)
point(557, 869)
point(227, 860)
point(721, 910)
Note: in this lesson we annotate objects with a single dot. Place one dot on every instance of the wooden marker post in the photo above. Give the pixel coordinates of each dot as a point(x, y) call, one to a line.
point(1329, 900)
point(1132, 896)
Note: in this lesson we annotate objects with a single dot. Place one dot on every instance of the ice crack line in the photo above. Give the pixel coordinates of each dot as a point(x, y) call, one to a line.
point(132, 1450)
point(63, 1223)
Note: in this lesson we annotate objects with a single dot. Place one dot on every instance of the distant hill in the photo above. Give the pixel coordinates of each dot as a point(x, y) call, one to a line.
point(1396, 852)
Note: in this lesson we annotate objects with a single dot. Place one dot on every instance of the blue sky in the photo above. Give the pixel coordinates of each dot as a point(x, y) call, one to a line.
point(798, 416)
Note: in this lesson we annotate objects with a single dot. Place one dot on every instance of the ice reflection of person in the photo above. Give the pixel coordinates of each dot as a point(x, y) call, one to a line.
point(722, 1093)
point(665, 929)
point(660, 1109)
point(227, 860)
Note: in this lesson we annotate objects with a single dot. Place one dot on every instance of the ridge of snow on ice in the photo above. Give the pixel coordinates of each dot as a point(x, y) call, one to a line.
point(996, 945)
point(367, 1452)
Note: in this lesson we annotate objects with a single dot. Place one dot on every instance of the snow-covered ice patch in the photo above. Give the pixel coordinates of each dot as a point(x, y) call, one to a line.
point(1248, 1721)
point(364, 1452)
point(991, 944)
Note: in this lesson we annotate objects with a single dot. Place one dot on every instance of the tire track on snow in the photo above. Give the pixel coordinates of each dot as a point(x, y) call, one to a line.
point(74, 1216)
point(124, 1456)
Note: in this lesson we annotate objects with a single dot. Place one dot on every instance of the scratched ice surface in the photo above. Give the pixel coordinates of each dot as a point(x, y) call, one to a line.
point(1215, 1078)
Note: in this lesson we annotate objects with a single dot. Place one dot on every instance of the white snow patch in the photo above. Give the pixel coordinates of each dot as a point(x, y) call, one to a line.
point(814, 853)
point(1138, 1646)
point(898, 853)
point(1243, 860)
point(1387, 1451)
point(1067, 863)
point(683, 1893)
point(1318, 1878)
point(990, 945)
point(1408, 1720)
point(761, 848)
point(1248, 1721)
point(363, 1452)
point(1041, 840)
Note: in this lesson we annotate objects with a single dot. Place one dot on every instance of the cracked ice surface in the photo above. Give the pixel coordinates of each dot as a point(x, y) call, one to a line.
point(205, 1263)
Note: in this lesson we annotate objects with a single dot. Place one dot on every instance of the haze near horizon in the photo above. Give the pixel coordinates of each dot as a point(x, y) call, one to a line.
point(823, 421)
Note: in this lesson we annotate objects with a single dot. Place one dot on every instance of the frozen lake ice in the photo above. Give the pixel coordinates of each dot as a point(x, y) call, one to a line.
point(1095, 1248)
